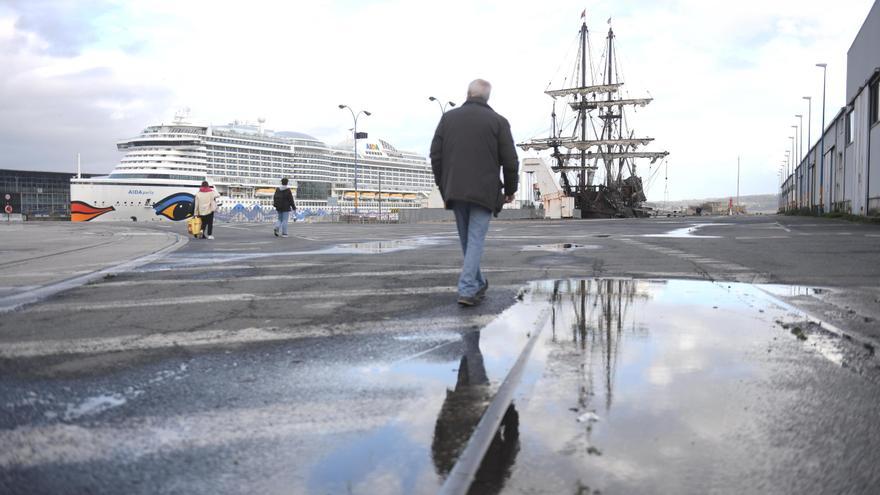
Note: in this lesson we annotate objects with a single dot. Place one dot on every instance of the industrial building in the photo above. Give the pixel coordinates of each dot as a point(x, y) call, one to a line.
point(841, 171)
point(36, 195)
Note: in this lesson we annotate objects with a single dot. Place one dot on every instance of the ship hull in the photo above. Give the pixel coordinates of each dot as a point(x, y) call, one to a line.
point(108, 201)
point(604, 202)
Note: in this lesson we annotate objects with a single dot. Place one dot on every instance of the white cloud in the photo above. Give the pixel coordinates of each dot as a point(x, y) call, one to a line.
point(727, 78)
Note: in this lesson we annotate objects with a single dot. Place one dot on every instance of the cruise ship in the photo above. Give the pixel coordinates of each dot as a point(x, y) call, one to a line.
point(164, 165)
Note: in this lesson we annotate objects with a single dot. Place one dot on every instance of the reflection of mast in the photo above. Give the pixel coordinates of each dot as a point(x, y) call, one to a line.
point(599, 309)
point(592, 311)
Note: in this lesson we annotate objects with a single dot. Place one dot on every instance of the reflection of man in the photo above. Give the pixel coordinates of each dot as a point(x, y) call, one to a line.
point(459, 415)
point(471, 144)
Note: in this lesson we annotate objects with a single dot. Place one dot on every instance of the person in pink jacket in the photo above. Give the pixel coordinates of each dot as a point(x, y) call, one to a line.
point(205, 206)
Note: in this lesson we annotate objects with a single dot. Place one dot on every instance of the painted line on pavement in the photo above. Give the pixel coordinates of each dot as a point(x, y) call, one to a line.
point(20, 276)
point(165, 267)
point(203, 338)
point(29, 297)
point(757, 237)
point(136, 437)
point(225, 298)
point(298, 276)
point(232, 227)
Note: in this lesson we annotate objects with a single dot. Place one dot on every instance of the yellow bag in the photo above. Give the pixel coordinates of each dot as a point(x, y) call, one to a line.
point(194, 226)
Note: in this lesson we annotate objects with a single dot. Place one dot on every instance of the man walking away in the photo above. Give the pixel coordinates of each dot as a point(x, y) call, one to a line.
point(471, 144)
point(205, 206)
point(283, 202)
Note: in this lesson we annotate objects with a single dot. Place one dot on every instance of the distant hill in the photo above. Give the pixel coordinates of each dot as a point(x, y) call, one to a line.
point(755, 203)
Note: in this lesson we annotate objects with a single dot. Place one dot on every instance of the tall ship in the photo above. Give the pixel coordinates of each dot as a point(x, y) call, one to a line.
point(591, 145)
point(163, 167)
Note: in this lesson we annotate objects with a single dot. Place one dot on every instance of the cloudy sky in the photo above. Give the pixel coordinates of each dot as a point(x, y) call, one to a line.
point(727, 77)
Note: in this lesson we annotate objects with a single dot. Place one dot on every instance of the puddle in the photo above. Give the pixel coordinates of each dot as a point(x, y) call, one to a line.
point(560, 248)
point(689, 232)
point(377, 247)
point(455, 381)
point(651, 386)
point(93, 405)
point(633, 386)
point(631, 383)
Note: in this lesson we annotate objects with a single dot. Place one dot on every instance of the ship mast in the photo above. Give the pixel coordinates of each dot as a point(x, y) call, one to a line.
point(616, 148)
point(582, 113)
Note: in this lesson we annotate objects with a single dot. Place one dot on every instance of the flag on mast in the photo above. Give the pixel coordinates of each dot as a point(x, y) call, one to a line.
point(584, 14)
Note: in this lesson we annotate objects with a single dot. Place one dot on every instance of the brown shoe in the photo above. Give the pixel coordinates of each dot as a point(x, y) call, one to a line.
point(468, 301)
point(481, 294)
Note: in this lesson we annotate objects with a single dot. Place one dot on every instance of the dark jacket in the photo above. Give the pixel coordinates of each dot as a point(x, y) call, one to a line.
point(471, 144)
point(283, 200)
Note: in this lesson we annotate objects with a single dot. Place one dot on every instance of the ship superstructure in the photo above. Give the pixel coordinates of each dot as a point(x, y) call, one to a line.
point(164, 165)
point(594, 150)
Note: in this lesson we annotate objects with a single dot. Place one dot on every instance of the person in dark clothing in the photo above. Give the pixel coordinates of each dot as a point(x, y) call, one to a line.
point(284, 204)
point(472, 148)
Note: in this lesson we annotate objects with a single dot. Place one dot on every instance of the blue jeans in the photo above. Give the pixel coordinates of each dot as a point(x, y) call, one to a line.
point(281, 223)
point(472, 221)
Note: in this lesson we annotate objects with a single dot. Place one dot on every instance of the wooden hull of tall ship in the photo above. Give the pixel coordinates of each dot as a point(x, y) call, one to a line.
point(609, 203)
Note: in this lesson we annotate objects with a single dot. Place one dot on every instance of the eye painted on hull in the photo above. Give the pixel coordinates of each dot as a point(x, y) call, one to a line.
point(83, 212)
point(178, 206)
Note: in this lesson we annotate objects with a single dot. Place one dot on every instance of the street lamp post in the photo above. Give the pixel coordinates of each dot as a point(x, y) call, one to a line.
point(442, 105)
point(737, 185)
point(822, 150)
point(796, 162)
point(782, 165)
point(355, 116)
point(787, 182)
point(781, 173)
point(810, 143)
point(793, 167)
point(800, 151)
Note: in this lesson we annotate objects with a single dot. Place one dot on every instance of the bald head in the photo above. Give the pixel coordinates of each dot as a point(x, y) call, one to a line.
point(479, 88)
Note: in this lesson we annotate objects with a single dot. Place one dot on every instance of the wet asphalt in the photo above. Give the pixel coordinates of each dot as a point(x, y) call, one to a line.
point(336, 361)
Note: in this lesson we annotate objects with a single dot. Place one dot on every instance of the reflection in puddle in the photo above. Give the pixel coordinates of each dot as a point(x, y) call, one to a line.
point(559, 248)
point(461, 411)
point(648, 385)
point(792, 290)
point(442, 395)
point(633, 386)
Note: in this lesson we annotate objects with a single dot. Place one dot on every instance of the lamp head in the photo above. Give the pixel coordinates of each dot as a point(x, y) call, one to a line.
point(451, 104)
point(798, 115)
point(342, 106)
point(432, 98)
point(367, 113)
point(807, 97)
point(822, 65)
